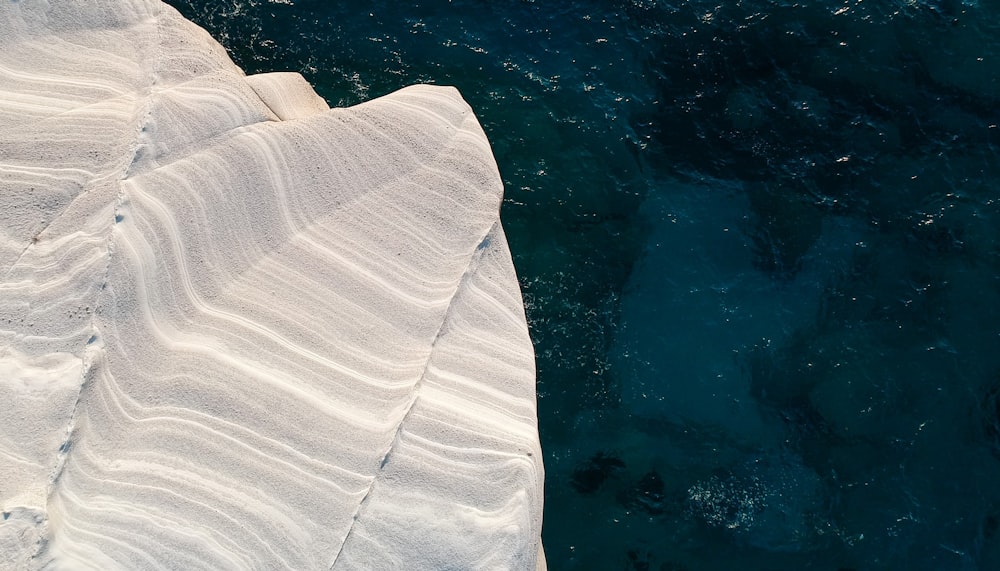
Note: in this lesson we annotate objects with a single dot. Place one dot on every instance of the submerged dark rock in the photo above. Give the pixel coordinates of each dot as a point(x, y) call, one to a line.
point(590, 476)
point(646, 495)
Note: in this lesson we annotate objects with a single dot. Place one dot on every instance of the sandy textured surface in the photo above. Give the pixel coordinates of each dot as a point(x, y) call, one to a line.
point(239, 330)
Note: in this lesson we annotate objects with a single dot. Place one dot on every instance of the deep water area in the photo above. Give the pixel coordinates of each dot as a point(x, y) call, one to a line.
point(759, 244)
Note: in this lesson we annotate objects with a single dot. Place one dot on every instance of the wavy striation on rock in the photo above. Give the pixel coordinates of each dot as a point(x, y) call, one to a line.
point(240, 330)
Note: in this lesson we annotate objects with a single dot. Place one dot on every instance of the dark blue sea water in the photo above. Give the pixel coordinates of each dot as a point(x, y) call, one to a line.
point(759, 243)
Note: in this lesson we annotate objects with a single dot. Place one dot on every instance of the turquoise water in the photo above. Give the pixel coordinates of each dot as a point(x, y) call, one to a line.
point(760, 254)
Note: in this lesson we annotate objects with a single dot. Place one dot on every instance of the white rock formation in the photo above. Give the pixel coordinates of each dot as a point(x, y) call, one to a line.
point(239, 330)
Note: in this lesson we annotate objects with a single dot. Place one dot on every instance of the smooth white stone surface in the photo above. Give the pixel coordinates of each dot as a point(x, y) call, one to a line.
point(239, 330)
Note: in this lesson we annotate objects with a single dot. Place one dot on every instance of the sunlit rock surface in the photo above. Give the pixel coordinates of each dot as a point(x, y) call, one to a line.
point(239, 330)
